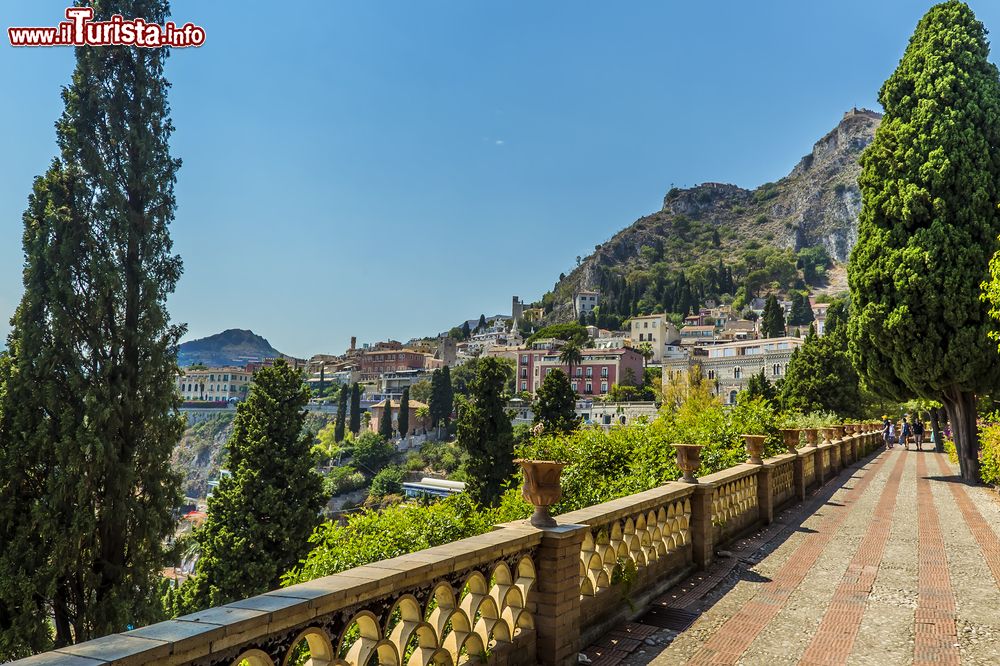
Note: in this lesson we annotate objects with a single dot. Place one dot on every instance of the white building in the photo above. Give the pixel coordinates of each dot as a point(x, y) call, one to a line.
point(585, 301)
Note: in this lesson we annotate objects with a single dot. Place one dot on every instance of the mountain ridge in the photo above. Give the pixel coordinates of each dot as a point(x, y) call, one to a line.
point(233, 346)
point(815, 205)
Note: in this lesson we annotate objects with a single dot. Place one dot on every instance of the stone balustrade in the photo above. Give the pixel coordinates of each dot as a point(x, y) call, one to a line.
point(516, 595)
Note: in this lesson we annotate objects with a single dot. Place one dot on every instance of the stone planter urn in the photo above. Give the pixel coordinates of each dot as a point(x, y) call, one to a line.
point(755, 448)
point(829, 434)
point(688, 460)
point(541, 488)
point(791, 437)
point(839, 432)
point(811, 436)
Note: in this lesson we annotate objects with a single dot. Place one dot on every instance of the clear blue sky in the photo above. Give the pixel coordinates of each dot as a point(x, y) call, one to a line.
point(392, 168)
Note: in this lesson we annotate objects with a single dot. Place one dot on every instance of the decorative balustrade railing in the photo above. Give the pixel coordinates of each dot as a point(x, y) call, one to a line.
point(516, 595)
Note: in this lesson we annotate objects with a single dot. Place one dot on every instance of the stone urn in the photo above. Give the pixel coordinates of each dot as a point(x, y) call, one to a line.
point(829, 434)
point(688, 460)
point(811, 436)
point(839, 432)
point(541, 488)
point(755, 448)
point(791, 437)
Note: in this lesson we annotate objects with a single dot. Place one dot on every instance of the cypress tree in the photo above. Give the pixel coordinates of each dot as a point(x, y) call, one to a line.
point(485, 432)
point(466, 331)
point(404, 413)
point(338, 428)
point(555, 403)
point(930, 183)
point(447, 394)
point(773, 322)
point(355, 423)
point(91, 394)
point(261, 516)
point(385, 423)
point(801, 313)
point(437, 398)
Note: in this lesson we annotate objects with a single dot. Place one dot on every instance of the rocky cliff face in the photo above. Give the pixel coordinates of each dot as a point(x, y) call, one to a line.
point(816, 204)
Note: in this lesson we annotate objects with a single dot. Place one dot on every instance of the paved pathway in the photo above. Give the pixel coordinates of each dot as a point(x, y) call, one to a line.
point(893, 562)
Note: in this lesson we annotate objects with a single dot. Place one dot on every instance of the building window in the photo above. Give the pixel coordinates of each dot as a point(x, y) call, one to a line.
point(645, 324)
point(776, 369)
point(604, 387)
point(711, 374)
point(737, 372)
point(524, 373)
point(604, 372)
point(579, 371)
point(524, 358)
point(589, 389)
point(590, 371)
point(524, 386)
point(573, 384)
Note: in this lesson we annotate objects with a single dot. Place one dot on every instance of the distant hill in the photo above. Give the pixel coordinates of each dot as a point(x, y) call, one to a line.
point(232, 347)
point(716, 238)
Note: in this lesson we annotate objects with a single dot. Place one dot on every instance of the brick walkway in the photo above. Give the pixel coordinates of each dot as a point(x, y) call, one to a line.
point(893, 562)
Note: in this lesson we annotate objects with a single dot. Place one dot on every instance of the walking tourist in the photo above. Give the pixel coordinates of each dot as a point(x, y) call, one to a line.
point(886, 432)
point(904, 434)
point(918, 432)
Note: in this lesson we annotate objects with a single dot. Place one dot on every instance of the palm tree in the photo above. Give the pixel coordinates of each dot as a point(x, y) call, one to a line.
point(571, 355)
point(645, 349)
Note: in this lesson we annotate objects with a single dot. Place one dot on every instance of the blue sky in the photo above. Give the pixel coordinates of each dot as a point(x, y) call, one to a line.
point(389, 169)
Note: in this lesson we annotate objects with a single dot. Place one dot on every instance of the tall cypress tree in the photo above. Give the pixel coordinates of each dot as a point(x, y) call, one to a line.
point(773, 322)
point(404, 413)
point(447, 394)
point(93, 355)
point(485, 432)
point(437, 397)
point(355, 426)
point(260, 518)
point(930, 183)
point(385, 423)
point(338, 427)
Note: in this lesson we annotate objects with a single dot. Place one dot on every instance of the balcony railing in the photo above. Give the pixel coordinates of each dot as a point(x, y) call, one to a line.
point(516, 595)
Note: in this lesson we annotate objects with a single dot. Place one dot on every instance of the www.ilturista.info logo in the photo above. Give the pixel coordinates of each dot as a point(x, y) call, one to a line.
point(81, 30)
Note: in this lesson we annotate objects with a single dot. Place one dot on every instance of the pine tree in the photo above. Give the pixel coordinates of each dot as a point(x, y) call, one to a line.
point(485, 432)
point(338, 432)
point(555, 403)
point(355, 422)
point(758, 386)
point(482, 323)
point(91, 393)
point(930, 183)
point(773, 322)
point(404, 413)
point(385, 423)
point(261, 516)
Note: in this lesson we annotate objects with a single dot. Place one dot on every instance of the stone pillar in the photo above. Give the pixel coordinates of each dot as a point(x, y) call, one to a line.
point(557, 595)
point(701, 525)
point(800, 474)
point(765, 499)
point(818, 466)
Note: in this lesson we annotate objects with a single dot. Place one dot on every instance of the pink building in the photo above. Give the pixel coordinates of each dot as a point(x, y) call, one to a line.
point(595, 375)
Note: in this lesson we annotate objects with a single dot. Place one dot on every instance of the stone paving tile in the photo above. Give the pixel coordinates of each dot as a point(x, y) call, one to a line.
point(881, 575)
point(789, 633)
point(976, 595)
point(734, 629)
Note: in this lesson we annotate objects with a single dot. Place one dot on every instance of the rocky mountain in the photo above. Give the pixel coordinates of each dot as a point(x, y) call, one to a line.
point(232, 347)
point(713, 224)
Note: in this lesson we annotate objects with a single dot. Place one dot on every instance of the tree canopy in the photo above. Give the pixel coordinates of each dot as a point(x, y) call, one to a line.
point(485, 432)
point(555, 403)
point(930, 183)
point(261, 515)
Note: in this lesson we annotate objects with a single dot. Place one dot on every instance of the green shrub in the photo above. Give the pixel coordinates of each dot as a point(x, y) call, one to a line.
point(389, 481)
point(989, 460)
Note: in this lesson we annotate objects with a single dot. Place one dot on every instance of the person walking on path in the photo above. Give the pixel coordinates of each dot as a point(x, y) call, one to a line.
point(892, 434)
point(886, 432)
point(905, 433)
point(918, 432)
